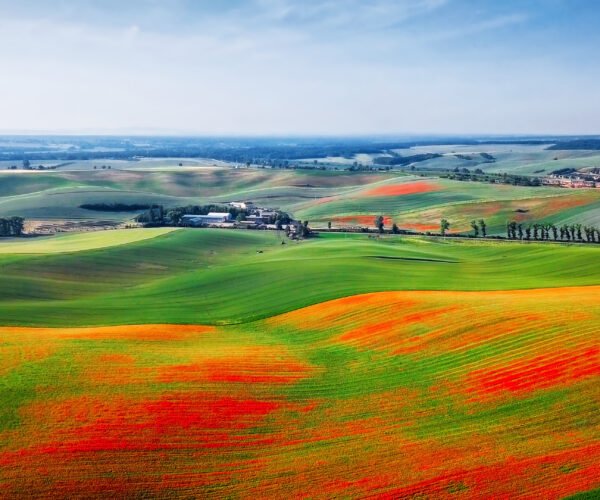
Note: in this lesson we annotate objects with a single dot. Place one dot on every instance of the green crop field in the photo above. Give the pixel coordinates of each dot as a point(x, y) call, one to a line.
point(341, 197)
point(193, 363)
point(186, 363)
point(194, 276)
point(79, 241)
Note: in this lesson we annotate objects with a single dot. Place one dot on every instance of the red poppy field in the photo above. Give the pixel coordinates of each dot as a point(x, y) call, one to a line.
point(390, 394)
point(405, 188)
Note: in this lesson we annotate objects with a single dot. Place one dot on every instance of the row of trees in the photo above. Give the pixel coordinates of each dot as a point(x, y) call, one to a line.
point(477, 226)
point(11, 226)
point(444, 226)
point(478, 175)
point(548, 231)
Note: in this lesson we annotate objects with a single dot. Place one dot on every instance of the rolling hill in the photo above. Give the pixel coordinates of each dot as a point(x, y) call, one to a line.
point(341, 197)
point(187, 364)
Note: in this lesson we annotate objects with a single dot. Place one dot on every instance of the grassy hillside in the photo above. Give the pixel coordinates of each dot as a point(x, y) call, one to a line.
point(59, 194)
point(417, 203)
point(519, 159)
point(342, 197)
point(397, 394)
point(336, 367)
point(79, 241)
point(217, 276)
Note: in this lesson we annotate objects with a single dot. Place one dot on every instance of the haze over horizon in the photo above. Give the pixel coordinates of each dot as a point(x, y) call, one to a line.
point(261, 67)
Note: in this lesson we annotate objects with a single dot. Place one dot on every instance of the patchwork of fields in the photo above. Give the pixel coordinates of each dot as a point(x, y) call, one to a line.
point(340, 197)
point(187, 364)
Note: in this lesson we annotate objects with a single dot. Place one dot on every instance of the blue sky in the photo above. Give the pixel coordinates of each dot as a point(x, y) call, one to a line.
point(300, 67)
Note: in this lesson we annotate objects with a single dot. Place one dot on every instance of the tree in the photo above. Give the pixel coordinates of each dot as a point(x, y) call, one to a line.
point(304, 230)
point(11, 226)
point(475, 228)
point(483, 228)
point(395, 229)
point(17, 224)
point(520, 228)
point(444, 226)
point(573, 229)
point(554, 232)
point(511, 230)
point(379, 223)
point(528, 232)
point(329, 225)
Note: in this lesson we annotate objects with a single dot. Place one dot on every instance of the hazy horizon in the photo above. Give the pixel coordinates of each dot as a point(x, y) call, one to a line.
point(285, 68)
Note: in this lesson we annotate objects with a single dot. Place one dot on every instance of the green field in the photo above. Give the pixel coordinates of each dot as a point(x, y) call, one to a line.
point(194, 363)
point(400, 367)
point(196, 276)
point(341, 197)
point(78, 242)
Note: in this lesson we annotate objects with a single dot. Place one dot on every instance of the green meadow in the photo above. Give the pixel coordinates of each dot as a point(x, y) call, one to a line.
point(317, 196)
point(219, 276)
point(225, 363)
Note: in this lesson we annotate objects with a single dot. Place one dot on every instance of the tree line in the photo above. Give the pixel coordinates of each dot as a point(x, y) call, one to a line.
point(549, 231)
point(11, 226)
point(464, 174)
point(444, 226)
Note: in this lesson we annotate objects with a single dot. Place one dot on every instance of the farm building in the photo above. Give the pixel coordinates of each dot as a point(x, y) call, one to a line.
point(257, 219)
point(242, 205)
point(204, 220)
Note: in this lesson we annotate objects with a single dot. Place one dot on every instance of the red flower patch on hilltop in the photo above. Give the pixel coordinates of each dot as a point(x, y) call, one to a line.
point(403, 189)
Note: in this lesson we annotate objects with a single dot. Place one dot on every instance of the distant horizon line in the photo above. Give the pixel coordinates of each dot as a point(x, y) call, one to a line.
point(191, 134)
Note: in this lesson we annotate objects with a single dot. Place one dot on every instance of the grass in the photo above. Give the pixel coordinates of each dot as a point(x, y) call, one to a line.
point(201, 276)
point(78, 242)
point(459, 202)
point(318, 196)
point(195, 363)
point(392, 394)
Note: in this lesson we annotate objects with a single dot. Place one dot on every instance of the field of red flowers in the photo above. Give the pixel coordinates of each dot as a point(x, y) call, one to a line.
point(394, 394)
point(405, 188)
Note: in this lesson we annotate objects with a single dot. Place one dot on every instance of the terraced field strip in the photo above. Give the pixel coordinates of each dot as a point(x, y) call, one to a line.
point(79, 242)
point(394, 394)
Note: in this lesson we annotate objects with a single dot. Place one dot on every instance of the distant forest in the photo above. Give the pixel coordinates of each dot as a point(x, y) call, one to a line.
point(241, 150)
point(588, 143)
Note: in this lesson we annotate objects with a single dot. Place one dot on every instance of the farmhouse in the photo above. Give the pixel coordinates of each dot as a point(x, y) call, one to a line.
point(242, 205)
point(204, 220)
point(570, 181)
point(267, 214)
point(256, 219)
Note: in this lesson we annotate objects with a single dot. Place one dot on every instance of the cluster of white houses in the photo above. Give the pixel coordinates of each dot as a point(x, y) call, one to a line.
point(259, 218)
point(572, 181)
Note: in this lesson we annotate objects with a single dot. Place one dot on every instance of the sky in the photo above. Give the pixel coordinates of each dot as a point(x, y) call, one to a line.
point(277, 67)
